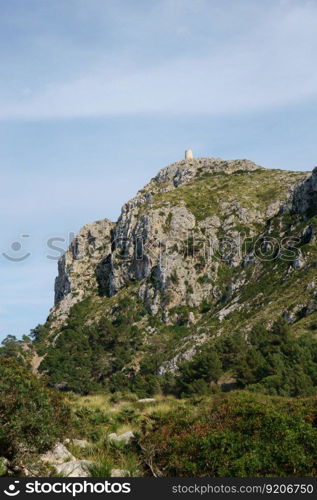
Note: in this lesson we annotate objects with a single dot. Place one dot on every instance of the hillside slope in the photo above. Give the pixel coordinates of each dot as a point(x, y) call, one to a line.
point(207, 249)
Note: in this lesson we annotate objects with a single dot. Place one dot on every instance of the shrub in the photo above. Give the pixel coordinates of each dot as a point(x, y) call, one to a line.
point(127, 415)
point(237, 435)
point(32, 417)
point(196, 376)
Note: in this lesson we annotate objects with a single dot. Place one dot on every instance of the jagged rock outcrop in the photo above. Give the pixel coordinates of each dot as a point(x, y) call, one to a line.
point(150, 245)
point(104, 256)
point(76, 268)
point(189, 242)
point(305, 195)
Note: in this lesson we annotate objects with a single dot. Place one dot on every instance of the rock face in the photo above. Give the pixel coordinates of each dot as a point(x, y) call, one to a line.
point(305, 195)
point(200, 235)
point(149, 242)
point(81, 443)
point(76, 268)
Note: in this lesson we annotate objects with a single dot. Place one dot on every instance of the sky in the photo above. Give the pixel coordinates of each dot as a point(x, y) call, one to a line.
point(96, 96)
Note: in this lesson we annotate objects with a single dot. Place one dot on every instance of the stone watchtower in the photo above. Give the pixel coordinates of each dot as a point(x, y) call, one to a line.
point(189, 154)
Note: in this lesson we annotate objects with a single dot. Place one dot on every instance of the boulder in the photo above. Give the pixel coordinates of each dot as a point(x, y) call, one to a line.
point(125, 438)
point(74, 468)
point(81, 443)
point(57, 455)
point(299, 262)
point(119, 473)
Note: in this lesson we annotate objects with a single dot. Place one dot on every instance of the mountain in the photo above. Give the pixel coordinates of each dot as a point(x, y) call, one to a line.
point(208, 252)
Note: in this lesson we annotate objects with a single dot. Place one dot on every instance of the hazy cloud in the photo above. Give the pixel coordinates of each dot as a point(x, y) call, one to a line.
point(244, 59)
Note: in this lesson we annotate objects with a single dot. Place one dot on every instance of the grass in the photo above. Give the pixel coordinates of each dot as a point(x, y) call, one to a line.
point(165, 406)
point(123, 415)
point(95, 401)
point(102, 467)
point(204, 195)
point(162, 423)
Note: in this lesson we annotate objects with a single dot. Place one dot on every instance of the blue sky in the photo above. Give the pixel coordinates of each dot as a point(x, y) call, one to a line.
point(96, 97)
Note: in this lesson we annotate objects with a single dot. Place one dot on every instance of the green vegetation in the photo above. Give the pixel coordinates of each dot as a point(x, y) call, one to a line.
point(103, 355)
point(96, 416)
point(217, 356)
point(239, 434)
point(32, 417)
point(3, 468)
point(235, 434)
point(84, 357)
point(256, 189)
point(167, 224)
point(271, 362)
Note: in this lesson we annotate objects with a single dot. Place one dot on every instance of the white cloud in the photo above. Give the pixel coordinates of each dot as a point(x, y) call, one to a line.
point(271, 63)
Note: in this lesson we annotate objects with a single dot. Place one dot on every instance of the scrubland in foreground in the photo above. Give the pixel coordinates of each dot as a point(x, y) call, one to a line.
point(235, 434)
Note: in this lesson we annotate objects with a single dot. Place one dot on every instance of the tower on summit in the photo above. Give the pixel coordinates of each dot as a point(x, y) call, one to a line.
point(189, 154)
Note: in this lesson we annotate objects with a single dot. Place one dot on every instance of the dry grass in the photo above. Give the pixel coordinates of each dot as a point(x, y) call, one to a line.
point(95, 401)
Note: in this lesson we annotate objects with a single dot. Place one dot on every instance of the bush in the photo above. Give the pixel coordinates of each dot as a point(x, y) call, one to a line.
point(128, 414)
point(32, 417)
point(197, 375)
point(238, 435)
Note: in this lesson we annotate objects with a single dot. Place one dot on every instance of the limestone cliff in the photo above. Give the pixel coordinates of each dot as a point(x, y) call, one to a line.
point(201, 247)
point(76, 268)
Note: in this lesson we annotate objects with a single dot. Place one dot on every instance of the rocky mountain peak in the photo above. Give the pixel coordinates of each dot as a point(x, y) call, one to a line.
point(186, 170)
point(206, 247)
